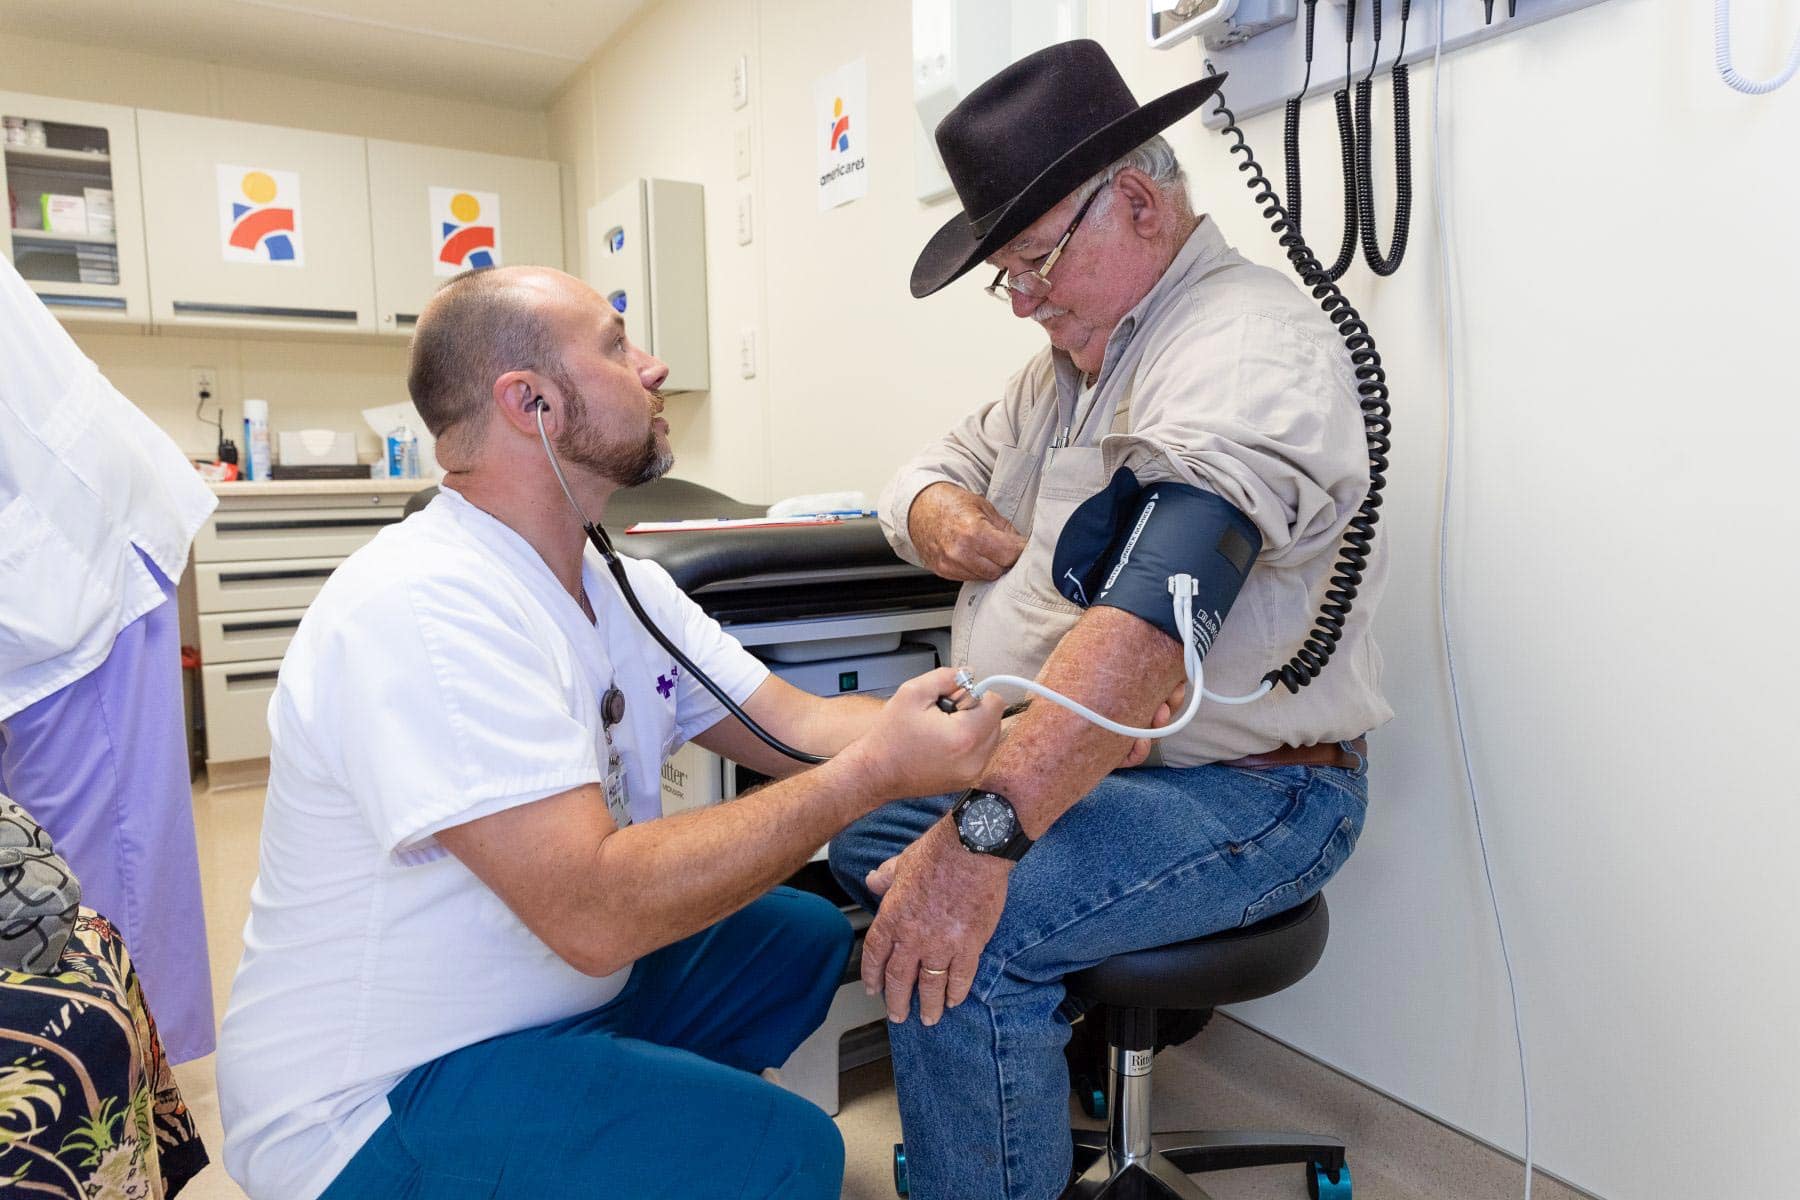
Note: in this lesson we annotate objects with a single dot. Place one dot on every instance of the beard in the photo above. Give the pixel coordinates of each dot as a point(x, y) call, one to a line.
point(582, 441)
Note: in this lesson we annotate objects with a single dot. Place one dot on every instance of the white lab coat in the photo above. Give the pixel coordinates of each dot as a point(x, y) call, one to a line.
point(84, 477)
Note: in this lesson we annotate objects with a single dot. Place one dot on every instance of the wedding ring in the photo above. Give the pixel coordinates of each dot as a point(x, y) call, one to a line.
point(933, 971)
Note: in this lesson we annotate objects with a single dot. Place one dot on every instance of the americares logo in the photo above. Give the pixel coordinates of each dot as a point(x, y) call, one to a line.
point(837, 144)
point(465, 230)
point(259, 216)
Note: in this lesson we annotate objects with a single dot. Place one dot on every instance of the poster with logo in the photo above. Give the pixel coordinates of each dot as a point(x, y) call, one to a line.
point(841, 104)
point(259, 216)
point(465, 230)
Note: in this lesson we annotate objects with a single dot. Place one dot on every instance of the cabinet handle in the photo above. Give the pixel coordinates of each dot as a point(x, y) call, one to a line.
point(199, 308)
point(249, 677)
point(110, 303)
point(259, 626)
point(406, 320)
point(251, 576)
point(314, 523)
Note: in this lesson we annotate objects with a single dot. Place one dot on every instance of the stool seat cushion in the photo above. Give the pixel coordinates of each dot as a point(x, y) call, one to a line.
point(1222, 968)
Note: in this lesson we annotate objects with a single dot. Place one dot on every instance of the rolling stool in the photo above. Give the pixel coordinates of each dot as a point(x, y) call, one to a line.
point(1128, 1161)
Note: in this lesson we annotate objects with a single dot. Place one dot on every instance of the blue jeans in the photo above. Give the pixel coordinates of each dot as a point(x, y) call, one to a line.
point(650, 1096)
point(1149, 857)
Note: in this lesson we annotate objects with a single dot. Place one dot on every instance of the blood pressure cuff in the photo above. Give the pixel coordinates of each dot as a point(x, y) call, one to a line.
point(1120, 547)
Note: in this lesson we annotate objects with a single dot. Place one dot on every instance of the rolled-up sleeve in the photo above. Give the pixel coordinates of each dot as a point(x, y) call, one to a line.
point(1260, 409)
point(965, 456)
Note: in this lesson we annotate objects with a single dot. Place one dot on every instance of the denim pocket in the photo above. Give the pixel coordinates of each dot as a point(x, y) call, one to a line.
point(1288, 895)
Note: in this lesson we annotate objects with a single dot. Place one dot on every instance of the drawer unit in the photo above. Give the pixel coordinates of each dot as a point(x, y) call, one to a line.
point(248, 586)
point(237, 708)
point(240, 535)
point(244, 636)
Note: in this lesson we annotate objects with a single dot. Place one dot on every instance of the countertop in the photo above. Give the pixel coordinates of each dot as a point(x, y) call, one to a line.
point(322, 487)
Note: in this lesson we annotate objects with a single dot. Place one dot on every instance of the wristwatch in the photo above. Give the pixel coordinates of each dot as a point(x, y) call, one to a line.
point(987, 824)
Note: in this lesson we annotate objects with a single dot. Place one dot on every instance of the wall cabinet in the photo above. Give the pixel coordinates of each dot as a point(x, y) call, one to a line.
point(256, 225)
point(438, 212)
point(82, 161)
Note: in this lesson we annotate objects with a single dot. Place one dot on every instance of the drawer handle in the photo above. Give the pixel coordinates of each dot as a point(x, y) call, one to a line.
point(406, 320)
point(252, 576)
point(259, 626)
point(110, 303)
point(200, 308)
point(250, 677)
point(308, 523)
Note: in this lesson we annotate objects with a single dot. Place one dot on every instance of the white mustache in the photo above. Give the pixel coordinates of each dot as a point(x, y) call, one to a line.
point(1048, 312)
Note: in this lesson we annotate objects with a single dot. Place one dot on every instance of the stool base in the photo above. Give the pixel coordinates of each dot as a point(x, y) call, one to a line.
point(1163, 1173)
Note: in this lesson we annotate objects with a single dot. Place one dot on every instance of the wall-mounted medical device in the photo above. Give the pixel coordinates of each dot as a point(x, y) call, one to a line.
point(1221, 23)
point(647, 256)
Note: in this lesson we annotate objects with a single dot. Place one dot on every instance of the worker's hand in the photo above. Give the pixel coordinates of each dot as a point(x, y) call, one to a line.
point(940, 905)
point(913, 748)
point(960, 535)
point(1139, 750)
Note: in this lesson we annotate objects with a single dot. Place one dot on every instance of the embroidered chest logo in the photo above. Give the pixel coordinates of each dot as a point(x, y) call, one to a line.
point(665, 684)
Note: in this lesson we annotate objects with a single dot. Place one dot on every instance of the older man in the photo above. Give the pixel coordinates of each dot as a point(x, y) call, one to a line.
point(475, 965)
point(1177, 361)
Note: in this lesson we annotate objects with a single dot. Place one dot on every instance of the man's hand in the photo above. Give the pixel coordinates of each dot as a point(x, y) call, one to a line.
point(912, 748)
point(940, 905)
point(960, 535)
point(1139, 749)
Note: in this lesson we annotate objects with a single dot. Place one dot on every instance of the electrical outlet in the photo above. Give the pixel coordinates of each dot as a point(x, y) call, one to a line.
point(741, 152)
point(747, 354)
point(745, 226)
point(204, 384)
point(740, 82)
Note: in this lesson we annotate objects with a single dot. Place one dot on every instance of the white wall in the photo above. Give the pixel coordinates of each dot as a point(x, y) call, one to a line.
point(1623, 558)
point(307, 383)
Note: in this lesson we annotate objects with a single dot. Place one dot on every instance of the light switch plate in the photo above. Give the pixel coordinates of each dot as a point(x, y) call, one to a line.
point(747, 354)
point(741, 152)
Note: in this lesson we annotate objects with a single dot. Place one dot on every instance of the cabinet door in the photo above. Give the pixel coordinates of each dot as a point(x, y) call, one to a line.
point(91, 266)
point(438, 212)
point(254, 226)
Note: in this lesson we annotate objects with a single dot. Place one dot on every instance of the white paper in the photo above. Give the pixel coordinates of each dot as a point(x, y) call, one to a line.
point(465, 230)
point(259, 216)
point(841, 132)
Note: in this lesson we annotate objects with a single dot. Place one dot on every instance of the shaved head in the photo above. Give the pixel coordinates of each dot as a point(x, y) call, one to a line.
point(480, 325)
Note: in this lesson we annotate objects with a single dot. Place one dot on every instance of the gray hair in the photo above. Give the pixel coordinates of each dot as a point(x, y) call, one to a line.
point(1155, 158)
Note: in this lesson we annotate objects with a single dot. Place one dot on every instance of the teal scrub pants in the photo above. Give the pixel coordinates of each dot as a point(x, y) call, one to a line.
point(654, 1094)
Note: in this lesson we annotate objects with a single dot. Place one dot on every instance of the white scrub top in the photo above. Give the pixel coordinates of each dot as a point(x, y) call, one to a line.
point(442, 675)
point(84, 477)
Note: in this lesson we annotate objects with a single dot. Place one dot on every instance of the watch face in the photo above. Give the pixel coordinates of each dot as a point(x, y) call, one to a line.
point(987, 822)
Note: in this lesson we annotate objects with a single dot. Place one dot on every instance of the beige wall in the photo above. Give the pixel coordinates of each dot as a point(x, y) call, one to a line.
point(1622, 517)
point(307, 383)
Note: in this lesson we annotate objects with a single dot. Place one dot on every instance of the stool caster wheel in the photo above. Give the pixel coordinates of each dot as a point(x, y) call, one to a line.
point(1091, 1097)
point(901, 1188)
point(1321, 1186)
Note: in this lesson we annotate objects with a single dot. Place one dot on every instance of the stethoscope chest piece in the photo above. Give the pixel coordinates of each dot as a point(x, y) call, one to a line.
point(612, 707)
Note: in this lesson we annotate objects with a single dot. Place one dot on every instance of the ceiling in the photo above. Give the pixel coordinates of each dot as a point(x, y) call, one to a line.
point(514, 53)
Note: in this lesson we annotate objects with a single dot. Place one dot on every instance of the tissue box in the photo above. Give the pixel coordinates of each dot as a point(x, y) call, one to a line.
point(315, 447)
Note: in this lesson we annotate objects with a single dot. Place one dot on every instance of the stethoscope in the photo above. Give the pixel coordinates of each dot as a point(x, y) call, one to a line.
point(613, 703)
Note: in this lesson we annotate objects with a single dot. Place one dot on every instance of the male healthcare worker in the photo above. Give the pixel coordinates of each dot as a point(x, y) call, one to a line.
point(1179, 380)
point(97, 510)
point(479, 962)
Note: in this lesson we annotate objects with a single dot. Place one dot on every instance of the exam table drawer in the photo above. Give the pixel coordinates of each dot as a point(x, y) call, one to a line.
point(236, 699)
point(242, 636)
point(248, 586)
point(237, 535)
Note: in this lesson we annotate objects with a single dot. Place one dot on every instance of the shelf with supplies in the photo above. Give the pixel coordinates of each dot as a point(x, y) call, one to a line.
point(74, 227)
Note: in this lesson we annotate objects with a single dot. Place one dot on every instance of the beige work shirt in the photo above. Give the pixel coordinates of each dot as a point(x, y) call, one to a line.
point(1226, 377)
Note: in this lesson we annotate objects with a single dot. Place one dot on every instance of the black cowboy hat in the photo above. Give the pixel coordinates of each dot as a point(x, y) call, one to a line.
point(1019, 143)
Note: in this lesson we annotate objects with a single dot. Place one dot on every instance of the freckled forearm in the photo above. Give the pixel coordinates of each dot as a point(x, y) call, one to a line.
point(1115, 664)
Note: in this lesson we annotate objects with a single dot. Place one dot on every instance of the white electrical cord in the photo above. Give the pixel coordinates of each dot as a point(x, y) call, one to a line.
point(1722, 56)
point(1182, 587)
point(1443, 230)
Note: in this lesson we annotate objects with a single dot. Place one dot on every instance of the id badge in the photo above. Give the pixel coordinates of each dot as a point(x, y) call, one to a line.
point(616, 800)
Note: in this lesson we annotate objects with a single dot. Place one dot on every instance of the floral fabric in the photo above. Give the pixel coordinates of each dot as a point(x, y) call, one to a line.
point(89, 1109)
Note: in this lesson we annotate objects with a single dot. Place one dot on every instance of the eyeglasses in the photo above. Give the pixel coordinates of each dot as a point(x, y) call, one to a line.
point(1036, 284)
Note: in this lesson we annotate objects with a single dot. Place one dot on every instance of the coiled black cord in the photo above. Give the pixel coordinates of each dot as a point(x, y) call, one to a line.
point(1372, 396)
point(1385, 264)
point(1346, 142)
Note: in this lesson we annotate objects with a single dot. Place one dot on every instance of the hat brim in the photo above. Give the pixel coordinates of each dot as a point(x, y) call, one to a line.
point(955, 249)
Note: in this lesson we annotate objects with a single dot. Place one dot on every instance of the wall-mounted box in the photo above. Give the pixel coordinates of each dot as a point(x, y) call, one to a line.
point(647, 256)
